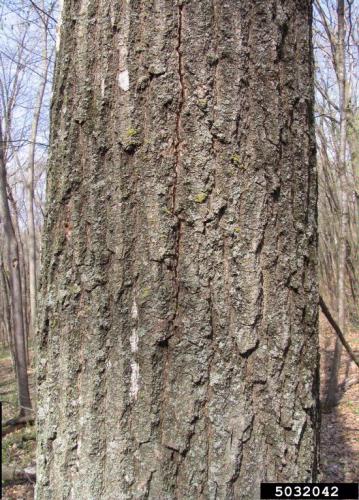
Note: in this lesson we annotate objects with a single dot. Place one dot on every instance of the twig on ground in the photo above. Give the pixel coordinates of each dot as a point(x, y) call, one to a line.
point(337, 330)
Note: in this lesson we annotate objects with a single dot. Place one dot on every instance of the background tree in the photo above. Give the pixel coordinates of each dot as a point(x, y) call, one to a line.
point(26, 40)
point(337, 103)
point(13, 277)
point(178, 349)
point(46, 60)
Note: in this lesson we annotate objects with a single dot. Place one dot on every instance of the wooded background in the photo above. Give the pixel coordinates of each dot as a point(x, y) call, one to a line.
point(27, 53)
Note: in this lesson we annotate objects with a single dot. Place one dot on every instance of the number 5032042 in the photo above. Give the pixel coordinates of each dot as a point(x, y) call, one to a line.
point(321, 491)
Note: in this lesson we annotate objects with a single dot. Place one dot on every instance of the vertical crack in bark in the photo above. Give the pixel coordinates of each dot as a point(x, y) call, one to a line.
point(177, 153)
point(177, 148)
point(214, 347)
point(215, 90)
point(180, 106)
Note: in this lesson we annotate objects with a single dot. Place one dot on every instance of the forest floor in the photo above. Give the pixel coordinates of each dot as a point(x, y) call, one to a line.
point(339, 430)
point(340, 427)
point(18, 447)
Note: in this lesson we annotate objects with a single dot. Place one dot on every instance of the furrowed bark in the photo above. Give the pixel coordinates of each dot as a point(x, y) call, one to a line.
point(178, 346)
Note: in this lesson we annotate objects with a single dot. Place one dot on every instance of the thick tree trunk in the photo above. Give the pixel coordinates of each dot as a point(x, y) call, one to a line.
point(178, 348)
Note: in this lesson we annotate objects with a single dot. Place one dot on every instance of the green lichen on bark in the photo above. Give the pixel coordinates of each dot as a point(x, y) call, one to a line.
point(200, 197)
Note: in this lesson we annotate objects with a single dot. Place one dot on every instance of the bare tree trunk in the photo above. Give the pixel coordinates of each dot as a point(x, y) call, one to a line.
point(332, 389)
point(353, 260)
point(178, 346)
point(7, 312)
point(13, 271)
point(32, 258)
point(32, 246)
point(23, 268)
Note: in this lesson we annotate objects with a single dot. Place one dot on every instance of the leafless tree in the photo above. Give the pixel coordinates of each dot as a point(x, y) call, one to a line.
point(336, 83)
point(26, 62)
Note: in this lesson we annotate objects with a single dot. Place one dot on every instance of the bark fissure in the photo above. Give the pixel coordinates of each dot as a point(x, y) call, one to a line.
point(177, 157)
point(177, 145)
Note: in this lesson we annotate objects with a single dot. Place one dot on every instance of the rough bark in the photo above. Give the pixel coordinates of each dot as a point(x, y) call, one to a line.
point(178, 347)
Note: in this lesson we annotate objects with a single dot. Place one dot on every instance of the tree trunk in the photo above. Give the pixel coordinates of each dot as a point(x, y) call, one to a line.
point(178, 347)
point(22, 268)
point(6, 312)
point(32, 256)
point(14, 278)
point(332, 389)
